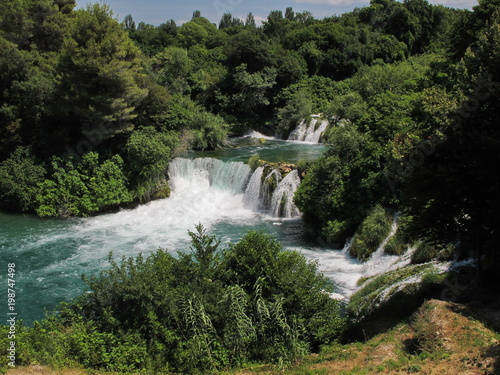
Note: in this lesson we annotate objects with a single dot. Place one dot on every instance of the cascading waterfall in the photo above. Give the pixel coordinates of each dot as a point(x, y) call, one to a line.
point(226, 197)
point(347, 270)
point(231, 176)
point(282, 200)
point(268, 193)
point(309, 131)
point(253, 190)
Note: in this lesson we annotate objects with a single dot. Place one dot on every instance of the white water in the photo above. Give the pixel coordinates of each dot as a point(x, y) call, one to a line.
point(253, 190)
point(227, 198)
point(346, 270)
point(255, 134)
point(282, 200)
point(309, 131)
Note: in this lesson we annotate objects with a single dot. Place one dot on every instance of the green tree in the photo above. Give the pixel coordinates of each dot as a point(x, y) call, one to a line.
point(148, 153)
point(454, 194)
point(129, 23)
point(79, 190)
point(174, 66)
point(100, 70)
point(20, 175)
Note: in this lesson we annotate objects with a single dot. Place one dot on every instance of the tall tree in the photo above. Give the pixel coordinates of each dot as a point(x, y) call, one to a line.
point(100, 68)
point(129, 23)
point(250, 20)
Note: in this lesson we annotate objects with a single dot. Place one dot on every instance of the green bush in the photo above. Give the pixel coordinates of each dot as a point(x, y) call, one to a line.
point(79, 190)
point(254, 162)
point(196, 312)
point(20, 175)
point(426, 251)
point(372, 231)
point(148, 152)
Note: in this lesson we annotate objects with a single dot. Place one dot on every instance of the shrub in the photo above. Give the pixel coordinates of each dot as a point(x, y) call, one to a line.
point(426, 329)
point(372, 231)
point(201, 311)
point(20, 175)
point(147, 153)
point(82, 189)
point(254, 162)
point(426, 251)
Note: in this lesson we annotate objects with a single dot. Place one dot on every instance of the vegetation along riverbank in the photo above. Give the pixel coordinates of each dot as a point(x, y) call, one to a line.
point(404, 96)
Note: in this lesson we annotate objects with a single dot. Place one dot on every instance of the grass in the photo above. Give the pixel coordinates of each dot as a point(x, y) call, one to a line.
point(463, 346)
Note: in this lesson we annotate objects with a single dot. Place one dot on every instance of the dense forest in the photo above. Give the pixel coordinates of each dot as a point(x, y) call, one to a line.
point(92, 109)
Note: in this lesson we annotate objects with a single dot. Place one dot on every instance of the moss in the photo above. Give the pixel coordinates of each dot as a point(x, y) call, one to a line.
point(426, 252)
point(162, 191)
point(254, 162)
point(394, 291)
point(396, 244)
point(372, 231)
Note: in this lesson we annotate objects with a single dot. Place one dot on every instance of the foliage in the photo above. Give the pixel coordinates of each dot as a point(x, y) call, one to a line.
point(81, 189)
point(20, 175)
point(254, 162)
point(396, 292)
point(100, 70)
point(370, 234)
point(205, 310)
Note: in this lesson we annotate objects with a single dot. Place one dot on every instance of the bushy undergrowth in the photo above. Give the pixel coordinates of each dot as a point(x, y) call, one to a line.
point(210, 309)
point(395, 292)
point(372, 231)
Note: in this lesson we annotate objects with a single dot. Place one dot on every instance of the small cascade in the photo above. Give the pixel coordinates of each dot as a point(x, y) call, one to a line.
point(272, 192)
point(282, 199)
point(309, 131)
point(253, 191)
point(255, 134)
point(269, 185)
point(229, 176)
point(263, 190)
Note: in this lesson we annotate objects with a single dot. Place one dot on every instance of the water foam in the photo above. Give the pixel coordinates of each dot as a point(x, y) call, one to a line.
point(309, 131)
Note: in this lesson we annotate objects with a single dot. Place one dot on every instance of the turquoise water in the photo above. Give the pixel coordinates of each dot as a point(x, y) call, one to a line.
point(52, 254)
point(271, 150)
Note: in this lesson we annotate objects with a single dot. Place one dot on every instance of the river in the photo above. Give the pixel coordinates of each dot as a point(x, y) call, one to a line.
point(52, 254)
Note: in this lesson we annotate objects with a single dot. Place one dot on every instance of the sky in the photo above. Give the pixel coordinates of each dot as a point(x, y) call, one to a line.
point(158, 11)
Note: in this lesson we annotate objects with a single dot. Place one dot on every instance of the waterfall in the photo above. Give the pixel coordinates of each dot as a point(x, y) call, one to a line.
point(309, 132)
point(269, 193)
point(253, 191)
point(270, 182)
point(228, 176)
point(282, 200)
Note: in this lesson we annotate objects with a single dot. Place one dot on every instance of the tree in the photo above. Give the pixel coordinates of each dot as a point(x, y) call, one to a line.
point(454, 194)
point(252, 89)
point(100, 69)
point(20, 175)
point(250, 21)
point(174, 67)
point(129, 23)
point(249, 48)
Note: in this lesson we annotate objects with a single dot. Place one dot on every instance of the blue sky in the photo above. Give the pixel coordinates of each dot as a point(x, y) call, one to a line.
point(158, 11)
